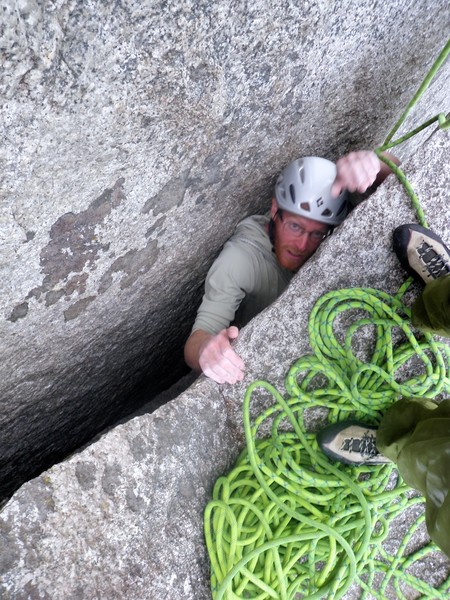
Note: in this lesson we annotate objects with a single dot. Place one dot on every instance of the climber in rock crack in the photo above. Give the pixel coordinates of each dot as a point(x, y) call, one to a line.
point(312, 196)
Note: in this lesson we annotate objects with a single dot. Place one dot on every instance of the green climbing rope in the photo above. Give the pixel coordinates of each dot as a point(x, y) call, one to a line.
point(442, 120)
point(286, 523)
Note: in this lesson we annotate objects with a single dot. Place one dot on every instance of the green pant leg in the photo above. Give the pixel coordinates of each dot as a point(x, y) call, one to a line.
point(431, 310)
point(415, 433)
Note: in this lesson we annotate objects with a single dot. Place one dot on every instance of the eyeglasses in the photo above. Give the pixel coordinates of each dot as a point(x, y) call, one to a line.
point(295, 230)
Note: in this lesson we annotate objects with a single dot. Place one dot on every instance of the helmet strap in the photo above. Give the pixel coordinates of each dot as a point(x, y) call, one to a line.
point(272, 233)
point(272, 228)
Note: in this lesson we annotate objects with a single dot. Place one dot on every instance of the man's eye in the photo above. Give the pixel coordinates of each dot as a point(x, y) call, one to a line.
point(317, 235)
point(295, 228)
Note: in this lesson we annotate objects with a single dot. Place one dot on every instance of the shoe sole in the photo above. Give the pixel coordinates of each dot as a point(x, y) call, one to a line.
point(406, 251)
point(334, 436)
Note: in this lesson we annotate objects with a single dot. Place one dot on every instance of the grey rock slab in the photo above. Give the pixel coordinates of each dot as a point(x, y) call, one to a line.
point(138, 490)
point(122, 518)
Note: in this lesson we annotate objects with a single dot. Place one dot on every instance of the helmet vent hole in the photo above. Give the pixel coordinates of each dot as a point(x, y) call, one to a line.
point(327, 213)
point(305, 206)
point(292, 192)
point(302, 174)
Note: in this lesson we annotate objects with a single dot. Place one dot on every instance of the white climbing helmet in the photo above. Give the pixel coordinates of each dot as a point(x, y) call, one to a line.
point(304, 188)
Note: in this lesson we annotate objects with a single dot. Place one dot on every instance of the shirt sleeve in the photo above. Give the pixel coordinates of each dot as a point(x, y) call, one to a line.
point(228, 281)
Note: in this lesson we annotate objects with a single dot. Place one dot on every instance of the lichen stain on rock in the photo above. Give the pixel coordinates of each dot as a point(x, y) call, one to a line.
point(111, 478)
point(172, 194)
point(73, 243)
point(53, 296)
point(76, 283)
point(133, 264)
point(158, 224)
point(18, 312)
point(73, 247)
point(77, 308)
point(139, 447)
point(85, 473)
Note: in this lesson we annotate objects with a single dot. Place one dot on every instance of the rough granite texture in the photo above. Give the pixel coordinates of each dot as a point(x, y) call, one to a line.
point(135, 135)
point(123, 517)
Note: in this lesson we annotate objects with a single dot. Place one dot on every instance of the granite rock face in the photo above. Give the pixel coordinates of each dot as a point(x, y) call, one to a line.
point(123, 517)
point(135, 135)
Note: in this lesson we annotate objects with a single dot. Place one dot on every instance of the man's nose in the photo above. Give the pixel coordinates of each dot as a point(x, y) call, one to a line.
point(301, 243)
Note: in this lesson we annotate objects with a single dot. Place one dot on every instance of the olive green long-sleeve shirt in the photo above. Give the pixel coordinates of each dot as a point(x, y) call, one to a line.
point(243, 280)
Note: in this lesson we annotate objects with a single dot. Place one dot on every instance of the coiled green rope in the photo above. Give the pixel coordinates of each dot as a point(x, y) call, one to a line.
point(286, 523)
point(285, 520)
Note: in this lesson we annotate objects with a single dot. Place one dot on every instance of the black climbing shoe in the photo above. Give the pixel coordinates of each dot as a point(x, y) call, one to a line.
point(421, 252)
point(352, 443)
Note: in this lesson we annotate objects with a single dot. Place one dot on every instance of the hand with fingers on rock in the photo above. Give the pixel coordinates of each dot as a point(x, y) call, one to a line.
point(358, 171)
point(214, 356)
